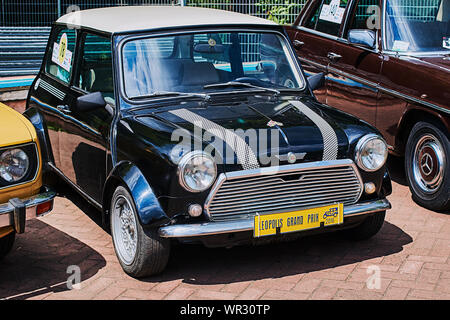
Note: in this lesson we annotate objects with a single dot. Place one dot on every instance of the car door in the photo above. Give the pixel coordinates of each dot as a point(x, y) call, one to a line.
point(51, 88)
point(315, 37)
point(354, 73)
point(84, 140)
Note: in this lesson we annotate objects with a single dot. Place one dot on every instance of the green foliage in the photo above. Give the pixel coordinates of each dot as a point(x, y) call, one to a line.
point(280, 11)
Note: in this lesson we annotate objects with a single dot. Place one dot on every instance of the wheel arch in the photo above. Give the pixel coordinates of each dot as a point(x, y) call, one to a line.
point(414, 114)
point(38, 123)
point(128, 175)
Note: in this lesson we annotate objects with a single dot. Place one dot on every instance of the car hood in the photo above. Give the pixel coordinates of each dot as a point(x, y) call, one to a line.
point(14, 128)
point(309, 130)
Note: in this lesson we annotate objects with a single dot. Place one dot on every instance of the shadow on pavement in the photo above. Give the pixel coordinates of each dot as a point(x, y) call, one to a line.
point(33, 269)
point(196, 264)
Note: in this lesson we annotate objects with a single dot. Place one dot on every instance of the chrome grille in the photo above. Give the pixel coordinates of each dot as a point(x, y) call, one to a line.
point(282, 189)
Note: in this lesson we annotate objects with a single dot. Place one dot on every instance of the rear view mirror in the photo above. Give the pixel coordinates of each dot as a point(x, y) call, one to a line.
point(362, 37)
point(90, 102)
point(206, 48)
point(316, 81)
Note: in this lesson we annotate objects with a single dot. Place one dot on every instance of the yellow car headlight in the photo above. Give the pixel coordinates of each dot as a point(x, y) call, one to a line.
point(14, 165)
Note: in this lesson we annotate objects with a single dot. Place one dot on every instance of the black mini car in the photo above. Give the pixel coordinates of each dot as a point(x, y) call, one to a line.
point(199, 125)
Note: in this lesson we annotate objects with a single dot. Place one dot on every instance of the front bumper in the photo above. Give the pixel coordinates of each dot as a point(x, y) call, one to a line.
point(215, 228)
point(17, 211)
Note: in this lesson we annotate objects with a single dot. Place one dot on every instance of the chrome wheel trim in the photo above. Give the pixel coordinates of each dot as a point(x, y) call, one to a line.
point(429, 163)
point(124, 228)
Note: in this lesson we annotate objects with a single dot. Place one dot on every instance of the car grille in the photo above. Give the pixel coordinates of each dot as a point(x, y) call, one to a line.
point(288, 188)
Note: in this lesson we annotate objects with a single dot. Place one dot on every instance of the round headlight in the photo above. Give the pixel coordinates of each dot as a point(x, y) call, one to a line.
point(14, 165)
point(371, 152)
point(197, 171)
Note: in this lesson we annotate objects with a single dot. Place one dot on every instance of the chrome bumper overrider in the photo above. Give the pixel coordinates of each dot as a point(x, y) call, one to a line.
point(239, 225)
point(17, 211)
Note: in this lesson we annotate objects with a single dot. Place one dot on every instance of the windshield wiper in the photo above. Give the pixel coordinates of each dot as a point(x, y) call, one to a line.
point(163, 94)
point(240, 84)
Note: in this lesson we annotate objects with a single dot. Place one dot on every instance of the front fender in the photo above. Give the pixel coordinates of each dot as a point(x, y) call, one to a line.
point(37, 121)
point(148, 207)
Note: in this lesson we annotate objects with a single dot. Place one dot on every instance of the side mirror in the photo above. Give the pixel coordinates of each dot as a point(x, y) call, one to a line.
point(362, 37)
point(316, 81)
point(90, 102)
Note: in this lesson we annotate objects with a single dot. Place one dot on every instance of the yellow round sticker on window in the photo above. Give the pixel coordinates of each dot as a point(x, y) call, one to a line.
point(62, 48)
point(212, 42)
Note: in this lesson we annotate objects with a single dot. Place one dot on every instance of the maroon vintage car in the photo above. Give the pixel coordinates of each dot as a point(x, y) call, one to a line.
point(388, 63)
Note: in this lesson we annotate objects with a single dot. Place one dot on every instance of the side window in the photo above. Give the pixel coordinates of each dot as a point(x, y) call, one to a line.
point(328, 17)
point(363, 17)
point(95, 70)
point(60, 58)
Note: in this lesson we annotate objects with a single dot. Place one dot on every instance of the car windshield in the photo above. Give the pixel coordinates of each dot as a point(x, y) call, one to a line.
point(418, 26)
point(207, 63)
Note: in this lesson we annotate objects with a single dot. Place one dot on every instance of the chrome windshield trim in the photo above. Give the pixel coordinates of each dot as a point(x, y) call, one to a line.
point(267, 171)
point(146, 35)
point(247, 224)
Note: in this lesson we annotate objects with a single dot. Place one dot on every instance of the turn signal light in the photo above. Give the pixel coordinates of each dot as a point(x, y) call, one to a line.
point(195, 210)
point(44, 208)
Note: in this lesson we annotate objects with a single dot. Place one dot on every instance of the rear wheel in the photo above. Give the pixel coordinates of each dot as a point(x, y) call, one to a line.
point(140, 252)
point(427, 166)
point(6, 244)
point(368, 228)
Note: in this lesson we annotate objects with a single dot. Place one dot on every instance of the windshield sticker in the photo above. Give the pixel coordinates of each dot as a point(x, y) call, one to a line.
point(446, 43)
point(400, 45)
point(61, 55)
point(212, 42)
point(332, 12)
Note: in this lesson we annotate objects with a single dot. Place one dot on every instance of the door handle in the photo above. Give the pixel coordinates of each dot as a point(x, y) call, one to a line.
point(334, 57)
point(64, 108)
point(298, 44)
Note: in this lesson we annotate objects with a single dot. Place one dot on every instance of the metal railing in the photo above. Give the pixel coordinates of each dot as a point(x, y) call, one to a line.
point(30, 13)
point(22, 50)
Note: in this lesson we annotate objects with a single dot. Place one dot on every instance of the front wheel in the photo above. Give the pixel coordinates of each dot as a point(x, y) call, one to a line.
point(427, 166)
point(6, 244)
point(368, 228)
point(141, 252)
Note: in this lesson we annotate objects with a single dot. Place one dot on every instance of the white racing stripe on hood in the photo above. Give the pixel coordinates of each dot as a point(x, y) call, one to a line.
point(330, 140)
point(244, 153)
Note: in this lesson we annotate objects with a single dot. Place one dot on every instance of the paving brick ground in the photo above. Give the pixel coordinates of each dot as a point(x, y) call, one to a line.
point(411, 253)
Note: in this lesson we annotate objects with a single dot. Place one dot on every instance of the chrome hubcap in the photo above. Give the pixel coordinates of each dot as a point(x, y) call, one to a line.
point(124, 229)
point(429, 163)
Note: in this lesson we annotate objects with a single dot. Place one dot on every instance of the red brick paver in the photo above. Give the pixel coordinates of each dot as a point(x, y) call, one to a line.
point(412, 254)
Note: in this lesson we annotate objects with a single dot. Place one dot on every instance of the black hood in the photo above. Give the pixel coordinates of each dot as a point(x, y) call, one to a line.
point(311, 131)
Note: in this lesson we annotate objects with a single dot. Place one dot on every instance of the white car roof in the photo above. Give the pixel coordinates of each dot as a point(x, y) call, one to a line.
point(137, 18)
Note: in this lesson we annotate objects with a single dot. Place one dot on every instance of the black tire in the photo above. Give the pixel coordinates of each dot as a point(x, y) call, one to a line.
point(6, 244)
point(368, 228)
point(152, 252)
point(433, 195)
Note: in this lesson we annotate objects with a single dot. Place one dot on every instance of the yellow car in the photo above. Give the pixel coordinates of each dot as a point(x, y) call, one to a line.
point(22, 196)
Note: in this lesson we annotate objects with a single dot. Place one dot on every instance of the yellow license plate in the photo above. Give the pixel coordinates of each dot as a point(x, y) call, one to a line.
point(279, 223)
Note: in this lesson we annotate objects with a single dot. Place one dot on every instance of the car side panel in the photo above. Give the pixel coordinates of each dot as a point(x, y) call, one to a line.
point(401, 85)
point(313, 56)
point(147, 204)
